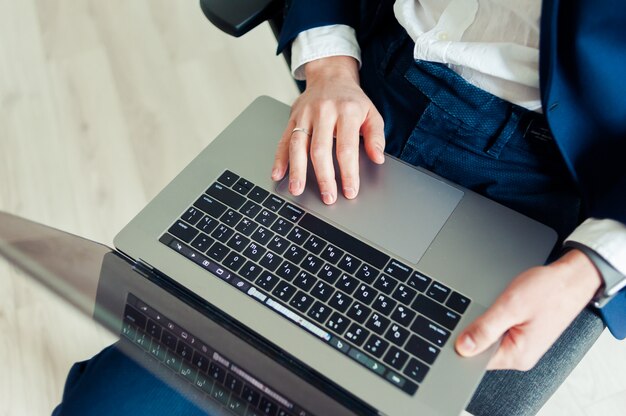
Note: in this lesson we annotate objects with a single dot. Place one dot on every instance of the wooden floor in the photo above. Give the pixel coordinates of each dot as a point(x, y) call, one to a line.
point(101, 104)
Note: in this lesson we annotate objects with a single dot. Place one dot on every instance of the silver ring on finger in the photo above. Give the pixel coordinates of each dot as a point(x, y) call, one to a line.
point(302, 129)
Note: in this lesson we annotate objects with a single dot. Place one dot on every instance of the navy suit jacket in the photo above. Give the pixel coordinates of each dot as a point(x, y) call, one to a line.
point(583, 87)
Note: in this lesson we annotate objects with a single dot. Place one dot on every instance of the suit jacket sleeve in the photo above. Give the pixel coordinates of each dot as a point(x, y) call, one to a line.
point(583, 62)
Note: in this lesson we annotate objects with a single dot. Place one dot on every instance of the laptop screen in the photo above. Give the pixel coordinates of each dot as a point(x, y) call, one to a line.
point(190, 347)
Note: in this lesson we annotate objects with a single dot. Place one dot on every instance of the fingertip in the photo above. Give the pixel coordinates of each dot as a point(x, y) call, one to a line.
point(277, 173)
point(465, 345)
point(328, 198)
point(295, 187)
point(350, 192)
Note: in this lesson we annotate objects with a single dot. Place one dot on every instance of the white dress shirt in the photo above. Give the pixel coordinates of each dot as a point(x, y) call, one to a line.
point(494, 45)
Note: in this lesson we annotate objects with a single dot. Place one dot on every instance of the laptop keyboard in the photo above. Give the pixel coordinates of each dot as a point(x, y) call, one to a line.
point(375, 309)
point(229, 386)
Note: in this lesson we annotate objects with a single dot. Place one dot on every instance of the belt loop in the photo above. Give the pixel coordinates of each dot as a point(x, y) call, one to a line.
point(495, 148)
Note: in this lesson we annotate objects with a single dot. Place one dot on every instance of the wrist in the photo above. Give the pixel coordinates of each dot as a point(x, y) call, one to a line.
point(579, 272)
point(332, 67)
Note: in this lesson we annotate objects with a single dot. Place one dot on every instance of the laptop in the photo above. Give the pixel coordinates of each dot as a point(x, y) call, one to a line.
point(345, 309)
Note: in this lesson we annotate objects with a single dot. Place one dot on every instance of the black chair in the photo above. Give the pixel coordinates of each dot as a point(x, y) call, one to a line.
point(237, 18)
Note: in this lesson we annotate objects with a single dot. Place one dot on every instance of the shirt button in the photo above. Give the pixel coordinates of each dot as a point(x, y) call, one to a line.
point(442, 35)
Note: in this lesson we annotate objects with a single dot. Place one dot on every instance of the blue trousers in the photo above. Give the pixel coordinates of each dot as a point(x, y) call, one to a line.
point(434, 119)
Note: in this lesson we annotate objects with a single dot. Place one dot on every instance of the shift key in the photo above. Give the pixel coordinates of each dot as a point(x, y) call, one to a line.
point(436, 311)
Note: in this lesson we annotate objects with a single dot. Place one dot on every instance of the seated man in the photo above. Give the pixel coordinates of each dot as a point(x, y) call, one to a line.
point(454, 86)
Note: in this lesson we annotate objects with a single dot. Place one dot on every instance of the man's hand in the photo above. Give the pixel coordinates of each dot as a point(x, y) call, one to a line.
point(332, 105)
point(532, 312)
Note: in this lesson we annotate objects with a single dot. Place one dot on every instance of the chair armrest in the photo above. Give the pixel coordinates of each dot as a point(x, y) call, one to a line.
point(238, 17)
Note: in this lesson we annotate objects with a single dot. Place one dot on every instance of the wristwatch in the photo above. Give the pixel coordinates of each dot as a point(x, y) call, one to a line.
point(612, 280)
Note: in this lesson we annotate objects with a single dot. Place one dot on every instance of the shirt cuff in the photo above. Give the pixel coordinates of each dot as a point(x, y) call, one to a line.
point(322, 42)
point(606, 237)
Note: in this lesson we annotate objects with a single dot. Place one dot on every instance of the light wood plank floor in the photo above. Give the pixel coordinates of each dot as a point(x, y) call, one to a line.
point(101, 104)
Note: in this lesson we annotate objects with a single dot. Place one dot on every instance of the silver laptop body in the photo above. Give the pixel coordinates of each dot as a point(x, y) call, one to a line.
point(428, 227)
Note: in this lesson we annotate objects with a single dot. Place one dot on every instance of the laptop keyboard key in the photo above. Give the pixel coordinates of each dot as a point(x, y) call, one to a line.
point(228, 178)
point(319, 312)
point(250, 209)
point(358, 312)
point(458, 302)
point(278, 244)
point(384, 304)
point(266, 218)
point(416, 370)
point(238, 242)
point(349, 263)
point(404, 294)
point(430, 331)
point(396, 358)
point(222, 233)
point(398, 270)
point(291, 212)
point(347, 284)
point(183, 231)
point(312, 264)
point(298, 236)
point(273, 203)
point(254, 252)
point(192, 216)
point(403, 315)
point(340, 301)
point(322, 291)
point(314, 244)
point(284, 291)
point(282, 227)
point(210, 206)
point(386, 284)
point(202, 242)
point(226, 195)
point(436, 312)
point(419, 282)
point(329, 273)
point(303, 280)
point(250, 271)
point(376, 346)
point(365, 294)
point(242, 186)
point(295, 254)
point(397, 335)
point(267, 281)
point(231, 218)
point(287, 270)
point(367, 274)
point(258, 194)
point(246, 226)
point(218, 251)
point(357, 334)
point(438, 292)
point(262, 235)
point(422, 349)
point(377, 323)
point(331, 254)
point(234, 261)
point(338, 323)
point(270, 261)
point(207, 224)
point(250, 395)
point(301, 301)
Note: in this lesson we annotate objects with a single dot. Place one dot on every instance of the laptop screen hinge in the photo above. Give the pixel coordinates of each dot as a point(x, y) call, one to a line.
point(143, 267)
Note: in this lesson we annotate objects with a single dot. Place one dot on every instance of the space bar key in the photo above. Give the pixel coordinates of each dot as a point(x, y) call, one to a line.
point(344, 241)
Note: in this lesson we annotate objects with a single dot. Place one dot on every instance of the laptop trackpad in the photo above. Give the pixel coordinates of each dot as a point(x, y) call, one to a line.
point(399, 208)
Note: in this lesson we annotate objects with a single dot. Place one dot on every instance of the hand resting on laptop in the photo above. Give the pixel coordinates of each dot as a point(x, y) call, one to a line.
point(529, 315)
